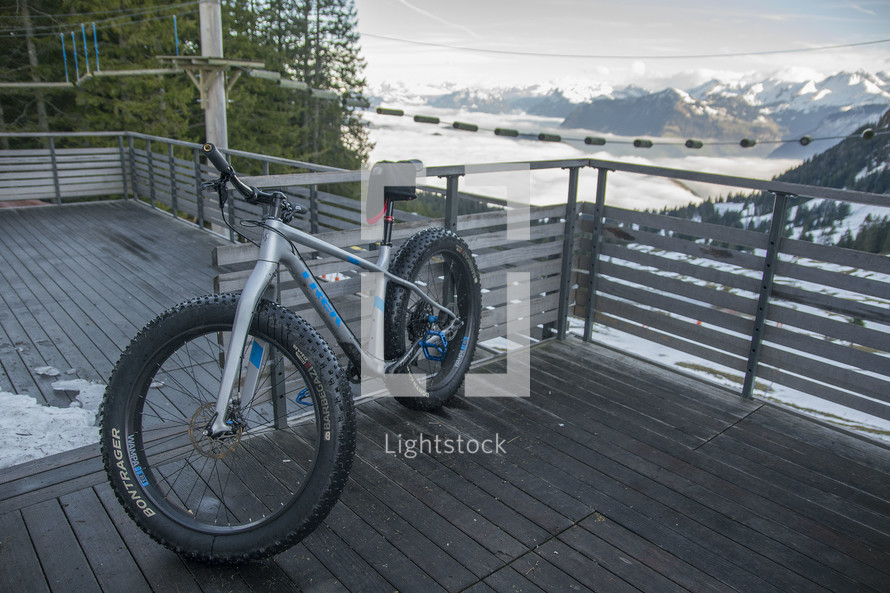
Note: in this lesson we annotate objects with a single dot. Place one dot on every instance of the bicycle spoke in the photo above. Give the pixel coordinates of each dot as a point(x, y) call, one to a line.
point(213, 484)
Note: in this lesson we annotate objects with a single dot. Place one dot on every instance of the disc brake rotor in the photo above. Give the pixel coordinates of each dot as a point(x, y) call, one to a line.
point(213, 447)
point(418, 320)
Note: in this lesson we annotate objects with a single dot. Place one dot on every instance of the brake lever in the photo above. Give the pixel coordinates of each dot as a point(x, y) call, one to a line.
point(289, 210)
point(223, 190)
point(220, 184)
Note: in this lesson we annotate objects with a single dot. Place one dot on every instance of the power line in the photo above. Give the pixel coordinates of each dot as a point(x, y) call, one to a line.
point(624, 57)
point(118, 12)
point(120, 20)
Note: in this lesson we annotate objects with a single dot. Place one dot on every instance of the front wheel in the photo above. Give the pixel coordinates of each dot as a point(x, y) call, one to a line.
point(438, 262)
point(263, 486)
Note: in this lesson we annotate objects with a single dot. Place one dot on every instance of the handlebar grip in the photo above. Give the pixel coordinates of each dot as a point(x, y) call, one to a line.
point(215, 157)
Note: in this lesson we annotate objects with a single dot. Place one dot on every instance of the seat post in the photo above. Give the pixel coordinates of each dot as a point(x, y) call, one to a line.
point(387, 223)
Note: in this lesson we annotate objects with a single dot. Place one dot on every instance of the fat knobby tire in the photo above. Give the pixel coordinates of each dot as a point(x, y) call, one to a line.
point(407, 264)
point(120, 417)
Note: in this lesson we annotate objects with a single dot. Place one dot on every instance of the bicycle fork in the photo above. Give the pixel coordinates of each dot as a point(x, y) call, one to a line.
point(259, 279)
point(274, 250)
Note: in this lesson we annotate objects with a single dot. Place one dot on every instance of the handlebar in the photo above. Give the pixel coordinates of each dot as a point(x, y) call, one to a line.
point(215, 157)
point(250, 193)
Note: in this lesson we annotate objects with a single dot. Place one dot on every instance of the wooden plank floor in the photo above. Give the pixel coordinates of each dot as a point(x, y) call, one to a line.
point(615, 475)
point(77, 282)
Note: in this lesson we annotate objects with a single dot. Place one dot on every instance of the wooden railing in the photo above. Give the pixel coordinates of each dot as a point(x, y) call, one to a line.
point(773, 310)
point(815, 318)
point(62, 174)
point(167, 174)
point(769, 309)
point(661, 278)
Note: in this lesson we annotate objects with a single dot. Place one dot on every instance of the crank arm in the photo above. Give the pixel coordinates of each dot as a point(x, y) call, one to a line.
point(400, 363)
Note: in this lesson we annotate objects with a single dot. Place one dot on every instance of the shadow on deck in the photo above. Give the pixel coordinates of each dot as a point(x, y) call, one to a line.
point(616, 475)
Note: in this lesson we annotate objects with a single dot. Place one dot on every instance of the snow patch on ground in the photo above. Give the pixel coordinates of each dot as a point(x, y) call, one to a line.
point(820, 409)
point(30, 431)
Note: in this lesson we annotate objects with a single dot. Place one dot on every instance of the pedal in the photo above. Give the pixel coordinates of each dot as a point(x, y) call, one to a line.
point(435, 350)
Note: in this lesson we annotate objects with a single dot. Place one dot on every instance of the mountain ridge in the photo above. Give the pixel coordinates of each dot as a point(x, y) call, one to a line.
point(765, 110)
point(771, 109)
point(854, 164)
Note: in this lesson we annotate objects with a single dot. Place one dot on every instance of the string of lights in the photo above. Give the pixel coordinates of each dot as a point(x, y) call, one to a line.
point(126, 17)
point(691, 143)
point(549, 136)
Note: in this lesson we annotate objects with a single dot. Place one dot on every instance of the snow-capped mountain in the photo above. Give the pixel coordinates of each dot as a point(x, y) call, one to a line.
point(767, 110)
point(556, 99)
point(673, 112)
point(771, 109)
point(839, 90)
point(397, 93)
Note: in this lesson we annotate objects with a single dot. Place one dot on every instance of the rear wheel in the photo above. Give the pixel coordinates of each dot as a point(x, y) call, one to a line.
point(250, 493)
point(438, 262)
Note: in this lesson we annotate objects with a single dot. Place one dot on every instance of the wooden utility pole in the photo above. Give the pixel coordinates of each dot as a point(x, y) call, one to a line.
point(216, 128)
point(42, 119)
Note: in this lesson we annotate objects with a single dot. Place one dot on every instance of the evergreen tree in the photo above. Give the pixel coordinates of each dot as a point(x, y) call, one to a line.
point(855, 164)
point(30, 51)
point(313, 41)
point(161, 105)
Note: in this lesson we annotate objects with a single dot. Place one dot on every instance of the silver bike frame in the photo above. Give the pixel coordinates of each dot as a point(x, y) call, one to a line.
point(276, 247)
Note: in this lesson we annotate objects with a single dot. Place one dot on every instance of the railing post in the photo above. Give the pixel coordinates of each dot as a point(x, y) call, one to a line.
point(52, 156)
point(151, 173)
point(120, 144)
point(133, 168)
point(172, 181)
point(313, 209)
point(451, 199)
point(568, 249)
point(776, 230)
point(199, 197)
point(598, 214)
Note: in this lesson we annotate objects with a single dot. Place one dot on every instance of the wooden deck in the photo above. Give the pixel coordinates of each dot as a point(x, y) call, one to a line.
point(617, 475)
point(77, 282)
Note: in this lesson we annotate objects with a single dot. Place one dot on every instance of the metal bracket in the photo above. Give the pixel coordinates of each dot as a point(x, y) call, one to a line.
point(776, 230)
point(203, 70)
point(598, 216)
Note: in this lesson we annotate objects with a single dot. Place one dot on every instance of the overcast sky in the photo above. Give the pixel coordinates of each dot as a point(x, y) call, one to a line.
point(624, 41)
